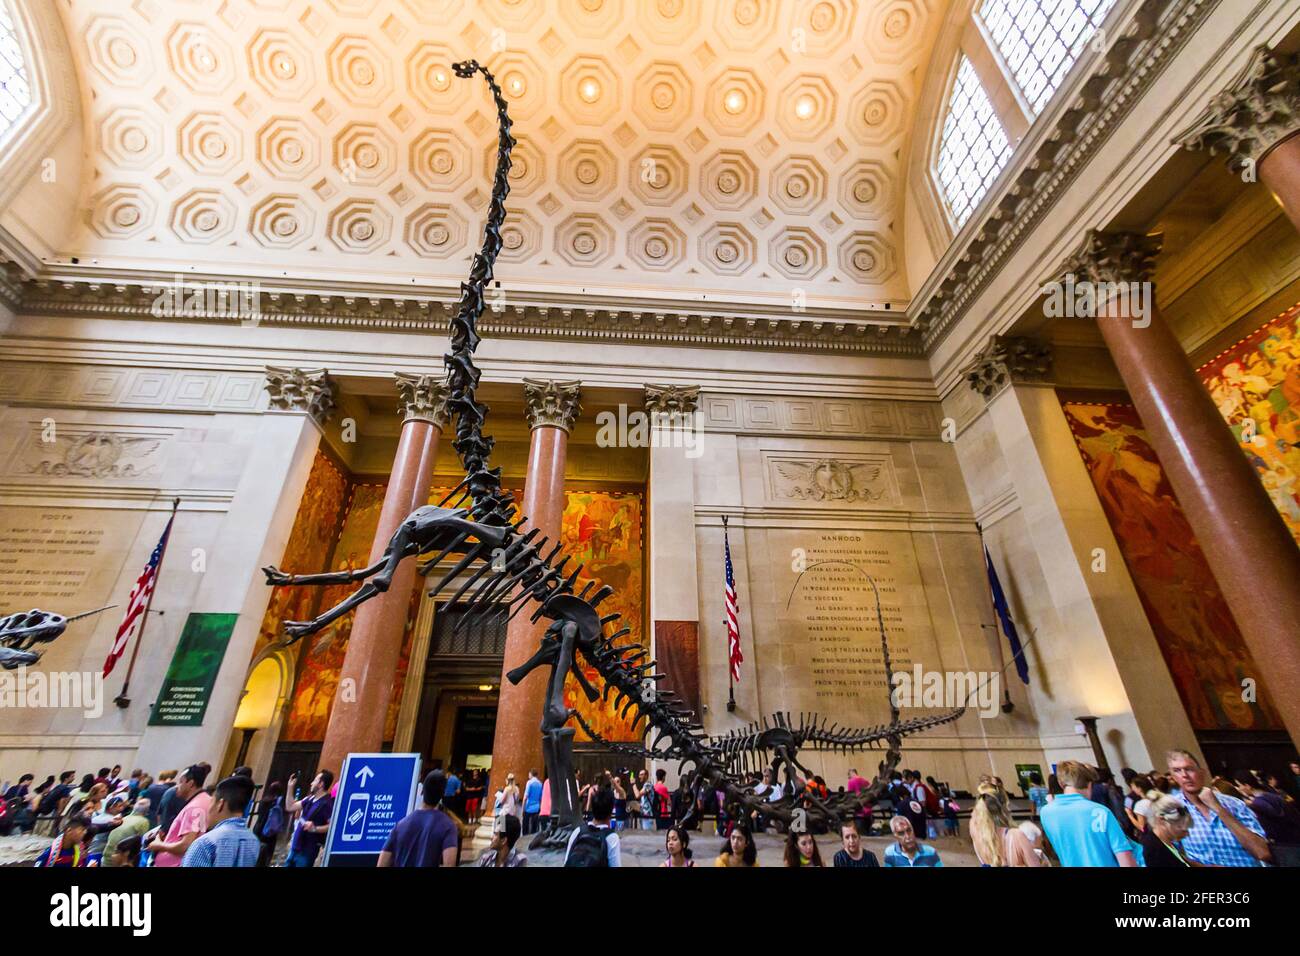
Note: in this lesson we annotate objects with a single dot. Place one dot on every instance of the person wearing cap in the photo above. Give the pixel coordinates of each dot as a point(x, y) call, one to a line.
point(134, 825)
point(102, 824)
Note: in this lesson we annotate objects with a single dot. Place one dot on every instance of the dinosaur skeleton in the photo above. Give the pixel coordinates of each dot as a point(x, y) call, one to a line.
point(505, 564)
point(22, 631)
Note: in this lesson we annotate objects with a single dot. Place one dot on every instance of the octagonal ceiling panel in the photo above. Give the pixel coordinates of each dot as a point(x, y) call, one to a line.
point(713, 146)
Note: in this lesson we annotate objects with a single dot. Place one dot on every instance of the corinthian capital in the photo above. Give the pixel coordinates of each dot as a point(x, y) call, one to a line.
point(672, 399)
point(1007, 360)
point(423, 398)
point(307, 390)
point(1256, 112)
point(551, 403)
point(1113, 257)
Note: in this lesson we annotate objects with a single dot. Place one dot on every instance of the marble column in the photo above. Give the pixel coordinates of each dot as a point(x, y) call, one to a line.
point(279, 447)
point(1255, 121)
point(1246, 543)
point(551, 409)
point(356, 723)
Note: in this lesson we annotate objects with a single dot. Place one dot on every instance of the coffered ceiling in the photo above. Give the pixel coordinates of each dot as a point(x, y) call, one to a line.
point(748, 151)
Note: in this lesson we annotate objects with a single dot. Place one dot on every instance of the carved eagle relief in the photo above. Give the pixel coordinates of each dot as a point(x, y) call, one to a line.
point(100, 455)
point(829, 479)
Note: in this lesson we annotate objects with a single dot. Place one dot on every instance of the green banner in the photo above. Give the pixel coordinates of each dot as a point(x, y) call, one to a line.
point(183, 699)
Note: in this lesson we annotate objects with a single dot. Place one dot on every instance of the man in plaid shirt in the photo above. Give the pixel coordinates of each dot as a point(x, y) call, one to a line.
point(228, 841)
point(1225, 831)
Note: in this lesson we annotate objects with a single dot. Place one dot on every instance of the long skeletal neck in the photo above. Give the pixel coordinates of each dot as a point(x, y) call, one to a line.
point(483, 484)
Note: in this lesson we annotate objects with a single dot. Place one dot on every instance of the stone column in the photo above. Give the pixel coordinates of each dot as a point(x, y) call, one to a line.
point(1089, 632)
point(279, 448)
point(1254, 121)
point(1246, 543)
point(552, 408)
point(356, 723)
point(674, 585)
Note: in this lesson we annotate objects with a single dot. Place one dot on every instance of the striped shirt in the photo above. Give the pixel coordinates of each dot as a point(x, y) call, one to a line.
point(926, 855)
point(229, 843)
point(1210, 841)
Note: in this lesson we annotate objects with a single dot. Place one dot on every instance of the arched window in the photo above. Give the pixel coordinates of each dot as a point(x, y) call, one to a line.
point(974, 146)
point(15, 90)
point(1039, 40)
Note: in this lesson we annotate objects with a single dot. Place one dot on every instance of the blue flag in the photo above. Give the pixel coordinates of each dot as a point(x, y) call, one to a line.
point(1004, 615)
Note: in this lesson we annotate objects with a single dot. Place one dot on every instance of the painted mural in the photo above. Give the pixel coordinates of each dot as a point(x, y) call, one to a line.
point(318, 671)
point(603, 532)
point(1256, 384)
point(308, 548)
point(1198, 637)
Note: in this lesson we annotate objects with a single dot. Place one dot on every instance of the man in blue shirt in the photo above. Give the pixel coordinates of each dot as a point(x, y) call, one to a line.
point(1225, 831)
point(426, 836)
point(532, 802)
point(1084, 833)
point(228, 841)
point(451, 798)
point(907, 851)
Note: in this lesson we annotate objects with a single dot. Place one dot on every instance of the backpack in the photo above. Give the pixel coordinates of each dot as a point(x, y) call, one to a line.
point(274, 824)
point(588, 848)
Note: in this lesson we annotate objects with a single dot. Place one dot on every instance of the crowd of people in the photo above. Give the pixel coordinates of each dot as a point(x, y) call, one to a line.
point(1178, 817)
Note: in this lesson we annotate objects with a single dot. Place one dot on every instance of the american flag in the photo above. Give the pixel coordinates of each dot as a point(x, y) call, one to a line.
point(139, 601)
point(733, 611)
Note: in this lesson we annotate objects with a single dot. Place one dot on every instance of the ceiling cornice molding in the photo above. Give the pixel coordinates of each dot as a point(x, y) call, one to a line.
point(1055, 154)
point(527, 315)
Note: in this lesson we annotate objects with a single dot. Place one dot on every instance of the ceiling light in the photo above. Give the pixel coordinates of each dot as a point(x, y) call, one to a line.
point(734, 101)
point(589, 90)
point(805, 106)
point(515, 83)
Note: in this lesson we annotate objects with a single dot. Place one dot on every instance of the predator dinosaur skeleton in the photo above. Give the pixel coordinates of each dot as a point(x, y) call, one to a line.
point(478, 527)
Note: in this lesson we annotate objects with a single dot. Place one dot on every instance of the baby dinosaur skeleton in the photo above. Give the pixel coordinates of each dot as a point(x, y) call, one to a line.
point(514, 566)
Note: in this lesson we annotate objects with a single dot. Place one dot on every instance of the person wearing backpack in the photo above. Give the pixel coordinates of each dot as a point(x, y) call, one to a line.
point(595, 844)
point(270, 821)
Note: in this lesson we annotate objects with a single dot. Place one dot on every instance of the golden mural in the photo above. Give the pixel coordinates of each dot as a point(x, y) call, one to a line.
point(603, 531)
point(1197, 634)
point(318, 671)
point(1256, 384)
point(308, 548)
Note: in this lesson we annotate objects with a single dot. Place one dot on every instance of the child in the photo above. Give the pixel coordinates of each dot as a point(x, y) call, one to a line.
point(950, 808)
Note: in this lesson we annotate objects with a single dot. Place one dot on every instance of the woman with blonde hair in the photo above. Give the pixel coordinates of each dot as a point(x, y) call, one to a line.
point(997, 840)
point(1168, 821)
point(510, 804)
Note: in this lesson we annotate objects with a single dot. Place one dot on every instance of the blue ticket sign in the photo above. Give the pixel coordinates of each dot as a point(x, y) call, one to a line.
point(375, 792)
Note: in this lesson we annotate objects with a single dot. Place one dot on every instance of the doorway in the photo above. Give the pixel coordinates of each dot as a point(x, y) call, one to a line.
point(471, 740)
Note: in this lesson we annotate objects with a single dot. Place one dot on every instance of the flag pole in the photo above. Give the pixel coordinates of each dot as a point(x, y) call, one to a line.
point(1007, 705)
point(731, 687)
point(121, 699)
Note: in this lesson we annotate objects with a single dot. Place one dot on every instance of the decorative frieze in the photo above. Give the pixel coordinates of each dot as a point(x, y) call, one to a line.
point(1259, 109)
point(674, 400)
point(301, 390)
point(1006, 360)
point(423, 398)
point(552, 403)
point(103, 453)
